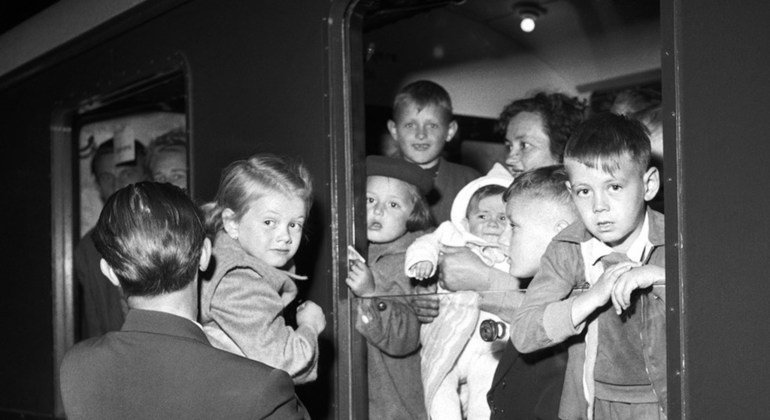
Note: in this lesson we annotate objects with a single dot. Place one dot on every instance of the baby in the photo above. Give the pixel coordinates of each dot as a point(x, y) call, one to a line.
point(454, 357)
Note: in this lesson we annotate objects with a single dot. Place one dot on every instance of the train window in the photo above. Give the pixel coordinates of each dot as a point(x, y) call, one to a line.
point(134, 134)
point(600, 53)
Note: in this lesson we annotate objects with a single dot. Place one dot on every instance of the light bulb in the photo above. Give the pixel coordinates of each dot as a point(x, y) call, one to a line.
point(527, 24)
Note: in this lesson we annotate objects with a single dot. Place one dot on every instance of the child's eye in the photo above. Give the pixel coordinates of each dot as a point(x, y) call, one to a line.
point(581, 192)
point(370, 200)
point(393, 204)
point(409, 125)
point(295, 225)
point(433, 126)
point(502, 218)
point(269, 222)
point(616, 187)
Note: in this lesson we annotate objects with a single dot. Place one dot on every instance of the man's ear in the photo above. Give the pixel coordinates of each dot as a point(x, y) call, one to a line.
point(109, 272)
point(651, 180)
point(451, 131)
point(392, 129)
point(205, 255)
point(230, 223)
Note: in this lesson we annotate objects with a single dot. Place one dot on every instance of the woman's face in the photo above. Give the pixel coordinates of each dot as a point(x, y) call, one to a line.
point(529, 147)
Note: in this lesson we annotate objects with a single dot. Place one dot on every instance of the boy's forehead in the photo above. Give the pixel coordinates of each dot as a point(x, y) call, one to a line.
point(412, 109)
point(617, 167)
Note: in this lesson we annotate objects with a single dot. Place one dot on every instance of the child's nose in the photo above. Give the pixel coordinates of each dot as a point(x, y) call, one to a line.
point(600, 202)
point(283, 234)
point(377, 208)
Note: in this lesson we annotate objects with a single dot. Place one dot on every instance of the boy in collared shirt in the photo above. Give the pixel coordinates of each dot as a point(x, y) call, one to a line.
point(613, 258)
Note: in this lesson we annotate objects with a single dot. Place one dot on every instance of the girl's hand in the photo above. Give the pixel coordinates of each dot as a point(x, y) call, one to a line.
point(636, 278)
point(310, 314)
point(421, 270)
point(360, 279)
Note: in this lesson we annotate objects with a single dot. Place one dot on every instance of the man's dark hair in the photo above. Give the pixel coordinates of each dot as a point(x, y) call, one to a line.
point(604, 138)
point(151, 234)
point(108, 147)
point(561, 114)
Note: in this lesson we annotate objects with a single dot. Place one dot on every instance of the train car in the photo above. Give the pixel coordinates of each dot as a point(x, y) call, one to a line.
point(315, 79)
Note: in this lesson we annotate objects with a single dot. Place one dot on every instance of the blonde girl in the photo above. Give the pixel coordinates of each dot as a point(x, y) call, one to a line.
point(256, 222)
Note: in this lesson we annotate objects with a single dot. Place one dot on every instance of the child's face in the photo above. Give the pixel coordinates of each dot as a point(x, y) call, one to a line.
point(421, 134)
point(487, 220)
point(529, 147)
point(534, 222)
point(388, 207)
point(271, 229)
point(170, 166)
point(612, 206)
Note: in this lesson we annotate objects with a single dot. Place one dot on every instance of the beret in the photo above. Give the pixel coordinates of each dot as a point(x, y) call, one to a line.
point(401, 170)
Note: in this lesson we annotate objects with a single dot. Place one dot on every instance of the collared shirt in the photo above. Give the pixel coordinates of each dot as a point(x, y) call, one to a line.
point(593, 250)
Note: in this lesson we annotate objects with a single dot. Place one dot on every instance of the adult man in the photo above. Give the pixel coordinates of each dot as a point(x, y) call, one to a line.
point(103, 307)
point(160, 364)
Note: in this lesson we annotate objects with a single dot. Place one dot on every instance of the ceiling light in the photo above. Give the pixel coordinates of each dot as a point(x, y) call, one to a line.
point(528, 12)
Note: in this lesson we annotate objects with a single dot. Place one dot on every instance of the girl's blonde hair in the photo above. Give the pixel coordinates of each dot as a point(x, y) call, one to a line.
point(245, 181)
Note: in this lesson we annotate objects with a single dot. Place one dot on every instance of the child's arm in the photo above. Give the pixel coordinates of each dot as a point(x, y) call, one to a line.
point(637, 278)
point(422, 255)
point(600, 293)
point(248, 309)
point(544, 318)
point(360, 279)
point(388, 324)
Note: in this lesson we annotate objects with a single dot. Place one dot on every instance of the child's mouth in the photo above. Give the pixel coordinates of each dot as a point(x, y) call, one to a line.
point(375, 226)
point(604, 226)
point(421, 147)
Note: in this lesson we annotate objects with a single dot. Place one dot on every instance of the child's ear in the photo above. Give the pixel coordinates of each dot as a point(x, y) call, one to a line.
point(451, 131)
point(392, 129)
point(651, 180)
point(205, 255)
point(230, 223)
point(109, 272)
point(560, 225)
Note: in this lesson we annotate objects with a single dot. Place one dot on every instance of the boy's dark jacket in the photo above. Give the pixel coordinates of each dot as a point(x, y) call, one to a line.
point(548, 305)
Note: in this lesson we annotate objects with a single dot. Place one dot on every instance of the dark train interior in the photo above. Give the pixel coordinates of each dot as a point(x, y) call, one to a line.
point(316, 80)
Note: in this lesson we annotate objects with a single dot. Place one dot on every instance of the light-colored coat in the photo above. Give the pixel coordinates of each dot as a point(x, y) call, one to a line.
point(241, 311)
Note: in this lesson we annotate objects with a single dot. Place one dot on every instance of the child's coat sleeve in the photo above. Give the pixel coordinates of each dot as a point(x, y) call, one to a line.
point(545, 318)
point(388, 324)
point(427, 247)
point(248, 309)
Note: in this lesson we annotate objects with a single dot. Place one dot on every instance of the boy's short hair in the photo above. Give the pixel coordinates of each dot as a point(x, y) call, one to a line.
point(108, 147)
point(604, 138)
point(423, 93)
point(548, 182)
point(561, 114)
point(151, 234)
point(482, 193)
